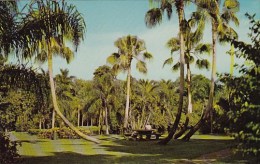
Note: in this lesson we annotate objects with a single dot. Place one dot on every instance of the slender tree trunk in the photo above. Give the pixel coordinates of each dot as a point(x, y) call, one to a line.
point(106, 120)
point(55, 104)
point(142, 118)
point(53, 118)
point(40, 123)
point(209, 108)
point(82, 120)
point(138, 121)
point(232, 60)
point(100, 120)
point(189, 88)
point(181, 87)
point(148, 118)
point(127, 98)
point(78, 116)
point(99, 117)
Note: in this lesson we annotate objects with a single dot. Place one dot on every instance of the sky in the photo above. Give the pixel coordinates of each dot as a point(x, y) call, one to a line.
point(107, 20)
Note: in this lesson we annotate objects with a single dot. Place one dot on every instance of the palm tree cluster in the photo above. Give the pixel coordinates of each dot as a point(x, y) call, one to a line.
point(209, 9)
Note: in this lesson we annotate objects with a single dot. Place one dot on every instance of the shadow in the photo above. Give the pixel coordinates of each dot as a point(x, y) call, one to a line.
point(174, 152)
point(67, 158)
point(30, 141)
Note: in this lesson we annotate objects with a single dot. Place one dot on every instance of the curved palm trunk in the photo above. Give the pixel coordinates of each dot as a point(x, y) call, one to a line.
point(209, 109)
point(186, 123)
point(181, 87)
point(55, 104)
point(127, 98)
point(184, 128)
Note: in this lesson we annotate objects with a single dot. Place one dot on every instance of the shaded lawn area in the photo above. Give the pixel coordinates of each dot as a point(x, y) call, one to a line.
point(115, 149)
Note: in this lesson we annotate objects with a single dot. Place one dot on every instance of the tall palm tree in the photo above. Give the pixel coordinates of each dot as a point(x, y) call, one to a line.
point(154, 17)
point(220, 28)
point(129, 48)
point(193, 50)
point(52, 22)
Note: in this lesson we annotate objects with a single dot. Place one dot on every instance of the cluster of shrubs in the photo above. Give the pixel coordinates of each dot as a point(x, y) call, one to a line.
point(62, 133)
point(8, 150)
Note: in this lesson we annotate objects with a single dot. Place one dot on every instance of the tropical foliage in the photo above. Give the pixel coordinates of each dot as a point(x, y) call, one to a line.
point(242, 106)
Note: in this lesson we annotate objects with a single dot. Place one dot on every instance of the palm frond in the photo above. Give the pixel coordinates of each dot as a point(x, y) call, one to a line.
point(141, 66)
point(203, 64)
point(153, 17)
point(168, 61)
point(232, 5)
point(67, 53)
point(176, 67)
point(113, 58)
point(203, 48)
point(147, 55)
point(166, 5)
point(173, 44)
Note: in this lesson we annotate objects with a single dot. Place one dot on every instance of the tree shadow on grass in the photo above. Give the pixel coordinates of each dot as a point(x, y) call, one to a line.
point(67, 158)
point(30, 141)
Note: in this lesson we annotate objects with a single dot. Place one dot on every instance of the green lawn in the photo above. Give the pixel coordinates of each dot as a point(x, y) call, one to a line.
point(114, 149)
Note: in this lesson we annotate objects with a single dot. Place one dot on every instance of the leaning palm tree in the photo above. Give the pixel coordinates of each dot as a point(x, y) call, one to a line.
point(52, 22)
point(154, 17)
point(220, 28)
point(129, 48)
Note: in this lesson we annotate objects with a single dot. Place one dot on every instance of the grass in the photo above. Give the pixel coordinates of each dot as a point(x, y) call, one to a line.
point(114, 149)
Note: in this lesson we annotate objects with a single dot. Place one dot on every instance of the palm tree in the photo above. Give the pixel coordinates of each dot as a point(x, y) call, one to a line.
point(154, 17)
point(65, 93)
point(219, 28)
point(51, 22)
point(103, 78)
point(167, 90)
point(129, 48)
point(144, 98)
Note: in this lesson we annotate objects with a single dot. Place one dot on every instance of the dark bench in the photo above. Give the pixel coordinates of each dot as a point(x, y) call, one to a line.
point(130, 135)
point(138, 134)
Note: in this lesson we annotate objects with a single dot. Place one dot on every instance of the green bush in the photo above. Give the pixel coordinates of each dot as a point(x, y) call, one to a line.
point(34, 131)
point(92, 129)
point(8, 150)
point(62, 133)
